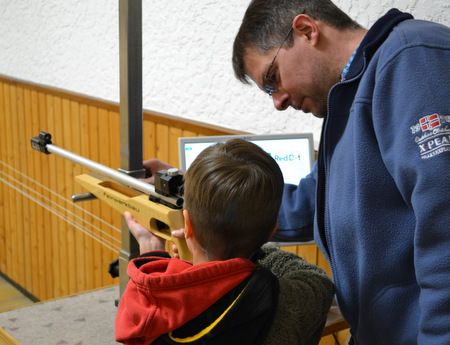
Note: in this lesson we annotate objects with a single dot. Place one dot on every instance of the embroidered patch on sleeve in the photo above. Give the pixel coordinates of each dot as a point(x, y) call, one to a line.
point(432, 135)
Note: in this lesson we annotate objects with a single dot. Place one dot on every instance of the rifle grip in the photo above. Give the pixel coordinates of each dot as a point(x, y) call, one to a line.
point(182, 247)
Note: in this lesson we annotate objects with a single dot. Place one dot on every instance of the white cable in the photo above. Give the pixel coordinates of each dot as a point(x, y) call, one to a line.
point(59, 196)
point(64, 217)
point(65, 209)
point(110, 245)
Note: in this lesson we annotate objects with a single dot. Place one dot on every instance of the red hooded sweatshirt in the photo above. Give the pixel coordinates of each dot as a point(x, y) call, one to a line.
point(164, 293)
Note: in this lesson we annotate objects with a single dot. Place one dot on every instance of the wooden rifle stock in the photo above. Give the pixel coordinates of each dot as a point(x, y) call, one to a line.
point(155, 217)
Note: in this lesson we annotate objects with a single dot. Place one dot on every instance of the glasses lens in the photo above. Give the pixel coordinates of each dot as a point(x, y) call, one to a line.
point(270, 85)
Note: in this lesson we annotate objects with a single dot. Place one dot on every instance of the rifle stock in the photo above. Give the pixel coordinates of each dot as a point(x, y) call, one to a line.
point(148, 213)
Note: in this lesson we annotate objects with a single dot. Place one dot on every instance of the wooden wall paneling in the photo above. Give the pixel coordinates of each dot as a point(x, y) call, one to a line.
point(71, 125)
point(41, 196)
point(187, 133)
point(68, 235)
point(37, 222)
point(48, 179)
point(21, 205)
point(149, 139)
point(187, 124)
point(31, 254)
point(174, 134)
point(83, 240)
point(11, 194)
point(3, 187)
point(46, 236)
point(105, 210)
point(12, 154)
point(309, 252)
point(95, 155)
point(162, 142)
point(62, 228)
point(4, 241)
point(51, 170)
point(291, 249)
point(306, 251)
point(10, 216)
point(31, 257)
point(77, 214)
point(88, 206)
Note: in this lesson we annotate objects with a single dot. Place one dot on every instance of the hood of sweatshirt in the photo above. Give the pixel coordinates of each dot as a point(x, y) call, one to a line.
point(165, 293)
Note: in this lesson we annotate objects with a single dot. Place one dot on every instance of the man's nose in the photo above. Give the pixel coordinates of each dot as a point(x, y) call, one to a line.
point(281, 100)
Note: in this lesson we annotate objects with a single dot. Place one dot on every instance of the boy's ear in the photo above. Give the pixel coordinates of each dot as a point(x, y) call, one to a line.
point(304, 26)
point(273, 231)
point(188, 228)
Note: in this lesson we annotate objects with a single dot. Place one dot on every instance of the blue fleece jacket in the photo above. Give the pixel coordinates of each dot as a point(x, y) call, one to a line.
point(381, 186)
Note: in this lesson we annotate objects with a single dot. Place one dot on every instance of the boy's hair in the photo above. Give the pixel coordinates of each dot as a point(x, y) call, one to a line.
point(233, 193)
point(266, 23)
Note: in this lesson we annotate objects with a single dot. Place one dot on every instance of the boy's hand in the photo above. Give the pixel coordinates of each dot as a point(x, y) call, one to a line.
point(177, 234)
point(147, 241)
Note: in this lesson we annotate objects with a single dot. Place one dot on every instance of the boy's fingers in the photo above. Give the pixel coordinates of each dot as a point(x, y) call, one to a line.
point(175, 251)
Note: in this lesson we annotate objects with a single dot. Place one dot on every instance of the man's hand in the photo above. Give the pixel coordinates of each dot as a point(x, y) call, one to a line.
point(153, 165)
point(147, 241)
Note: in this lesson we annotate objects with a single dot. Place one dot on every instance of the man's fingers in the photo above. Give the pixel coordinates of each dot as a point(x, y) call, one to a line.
point(178, 233)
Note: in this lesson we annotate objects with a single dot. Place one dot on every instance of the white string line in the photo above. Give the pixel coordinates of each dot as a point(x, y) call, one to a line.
point(65, 209)
point(57, 195)
point(64, 217)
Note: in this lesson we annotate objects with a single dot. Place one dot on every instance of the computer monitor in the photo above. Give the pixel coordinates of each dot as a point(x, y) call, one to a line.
point(294, 152)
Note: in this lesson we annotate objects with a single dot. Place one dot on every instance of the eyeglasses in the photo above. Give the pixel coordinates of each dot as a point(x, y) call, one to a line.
point(269, 83)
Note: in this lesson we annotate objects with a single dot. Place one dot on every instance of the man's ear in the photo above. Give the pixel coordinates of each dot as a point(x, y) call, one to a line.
point(188, 228)
point(304, 26)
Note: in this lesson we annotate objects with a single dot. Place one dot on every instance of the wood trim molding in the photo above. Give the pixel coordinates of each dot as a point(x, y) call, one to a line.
point(190, 125)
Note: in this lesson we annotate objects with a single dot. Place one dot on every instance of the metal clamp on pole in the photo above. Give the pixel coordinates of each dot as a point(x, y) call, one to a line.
point(40, 143)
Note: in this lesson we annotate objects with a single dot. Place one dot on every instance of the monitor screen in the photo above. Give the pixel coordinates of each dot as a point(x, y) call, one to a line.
point(294, 153)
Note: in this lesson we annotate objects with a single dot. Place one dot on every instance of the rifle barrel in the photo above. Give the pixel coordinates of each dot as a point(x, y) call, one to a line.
point(141, 186)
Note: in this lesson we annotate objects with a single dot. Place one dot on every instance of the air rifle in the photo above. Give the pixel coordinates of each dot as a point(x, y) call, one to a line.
point(158, 208)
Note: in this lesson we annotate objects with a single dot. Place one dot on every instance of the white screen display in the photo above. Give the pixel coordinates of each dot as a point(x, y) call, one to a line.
point(293, 155)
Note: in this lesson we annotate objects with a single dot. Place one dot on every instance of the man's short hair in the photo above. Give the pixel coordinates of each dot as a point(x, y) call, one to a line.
point(266, 23)
point(233, 193)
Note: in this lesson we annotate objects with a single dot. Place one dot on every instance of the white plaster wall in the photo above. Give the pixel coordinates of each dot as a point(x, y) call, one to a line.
point(73, 45)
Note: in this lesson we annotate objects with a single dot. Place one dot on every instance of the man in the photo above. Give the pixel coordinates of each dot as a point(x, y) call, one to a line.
point(378, 198)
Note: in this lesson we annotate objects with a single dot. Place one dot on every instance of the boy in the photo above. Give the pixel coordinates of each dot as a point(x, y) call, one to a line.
point(233, 292)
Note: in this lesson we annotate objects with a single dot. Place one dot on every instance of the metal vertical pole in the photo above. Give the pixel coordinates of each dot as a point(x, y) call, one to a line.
point(131, 146)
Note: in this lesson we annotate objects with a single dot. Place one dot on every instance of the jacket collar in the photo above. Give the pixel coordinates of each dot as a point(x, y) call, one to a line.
point(374, 38)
